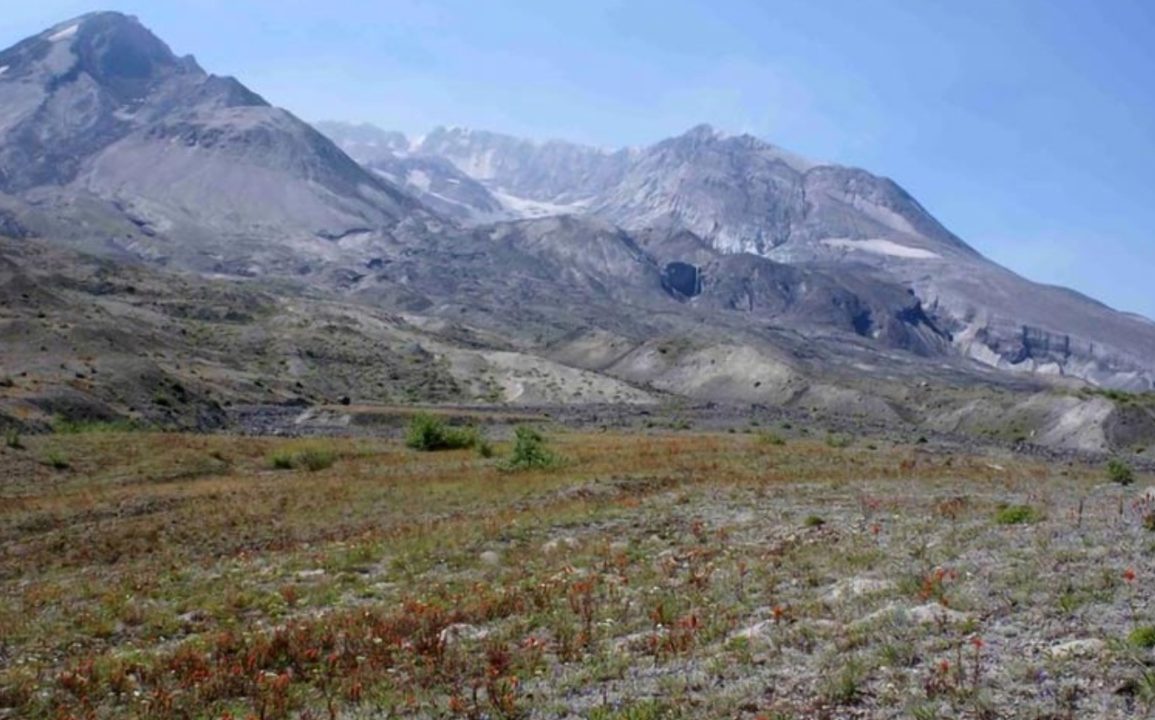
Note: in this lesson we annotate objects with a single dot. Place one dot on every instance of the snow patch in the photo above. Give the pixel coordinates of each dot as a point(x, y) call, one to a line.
point(519, 207)
point(882, 247)
point(387, 175)
point(420, 180)
point(3, 69)
point(884, 215)
point(63, 34)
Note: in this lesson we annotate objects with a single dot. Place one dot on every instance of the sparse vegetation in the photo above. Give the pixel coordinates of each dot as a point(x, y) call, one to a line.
point(839, 440)
point(1142, 637)
point(656, 575)
point(771, 438)
point(57, 460)
point(1018, 515)
point(530, 452)
point(1120, 472)
point(12, 439)
point(312, 459)
point(428, 433)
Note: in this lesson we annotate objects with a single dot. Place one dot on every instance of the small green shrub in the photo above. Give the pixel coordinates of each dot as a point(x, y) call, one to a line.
point(770, 438)
point(530, 452)
point(485, 449)
point(1142, 637)
point(281, 461)
point(1149, 521)
point(311, 459)
point(1017, 515)
point(12, 439)
point(1120, 472)
point(315, 459)
point(837, 440)
point(57, 461)
point(813, 521)
point(428, 434)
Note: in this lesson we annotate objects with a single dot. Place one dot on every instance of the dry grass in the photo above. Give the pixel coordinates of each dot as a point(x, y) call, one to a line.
point(658, 575)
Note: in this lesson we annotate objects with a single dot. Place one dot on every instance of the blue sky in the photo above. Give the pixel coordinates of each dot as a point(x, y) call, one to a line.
point(1026, 126)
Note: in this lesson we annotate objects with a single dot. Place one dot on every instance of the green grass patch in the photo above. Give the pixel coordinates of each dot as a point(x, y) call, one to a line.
point(1142, 637)
point(311, 459)
point(1018, 515)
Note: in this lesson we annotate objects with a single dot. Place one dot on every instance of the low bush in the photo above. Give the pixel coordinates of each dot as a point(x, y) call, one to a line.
point(838, 440)
point(1120, 472)
point(1142, 637)
point(12, 439)
point(1017, 515)
point(57, 461)
point(770, 438)
point(311, 459)
point(530, 452)
point(428, 434)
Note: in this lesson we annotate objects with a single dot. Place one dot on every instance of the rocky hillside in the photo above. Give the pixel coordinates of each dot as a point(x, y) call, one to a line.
point(232, 254)
point(114, 141)
point(742, 195)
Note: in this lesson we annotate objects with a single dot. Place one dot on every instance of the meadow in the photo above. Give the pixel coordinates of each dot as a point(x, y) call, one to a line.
point(644, 574)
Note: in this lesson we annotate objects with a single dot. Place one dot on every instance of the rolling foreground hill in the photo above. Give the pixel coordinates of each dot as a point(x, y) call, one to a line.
point(178, 246)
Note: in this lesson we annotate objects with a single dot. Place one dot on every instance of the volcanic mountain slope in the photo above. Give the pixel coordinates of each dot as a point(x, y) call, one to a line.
point(110, 139)
point(742, 195)
point(706, 267)
point(88, 338)
point(181, 168)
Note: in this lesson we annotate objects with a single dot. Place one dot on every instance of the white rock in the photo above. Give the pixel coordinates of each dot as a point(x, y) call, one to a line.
point(490, 557)
point(306, 574)
point(462, 631)
point(556, 544)
point(635, 641)
point(929, 614)
point(933, 614)
point(755, 631)
point(857, 587)
point(1078, 648)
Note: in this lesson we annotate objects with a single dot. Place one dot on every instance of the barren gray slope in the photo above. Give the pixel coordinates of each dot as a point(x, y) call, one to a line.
point(101, 107)
point(742, 194)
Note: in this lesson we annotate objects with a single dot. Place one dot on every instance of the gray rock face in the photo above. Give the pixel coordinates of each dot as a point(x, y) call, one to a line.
point(439, 185)
point(365, 143)
point(738, 194)
point(553, 171)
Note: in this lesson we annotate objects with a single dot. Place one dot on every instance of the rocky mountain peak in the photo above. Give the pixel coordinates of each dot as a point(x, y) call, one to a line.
point(701, 133)
point(110, 48)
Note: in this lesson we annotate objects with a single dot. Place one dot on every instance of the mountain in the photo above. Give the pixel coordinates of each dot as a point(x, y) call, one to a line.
point(741, 195)
point(170, 237)
point(122, 144)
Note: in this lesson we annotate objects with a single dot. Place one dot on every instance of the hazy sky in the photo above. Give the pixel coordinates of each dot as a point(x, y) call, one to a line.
point(1026, 126)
